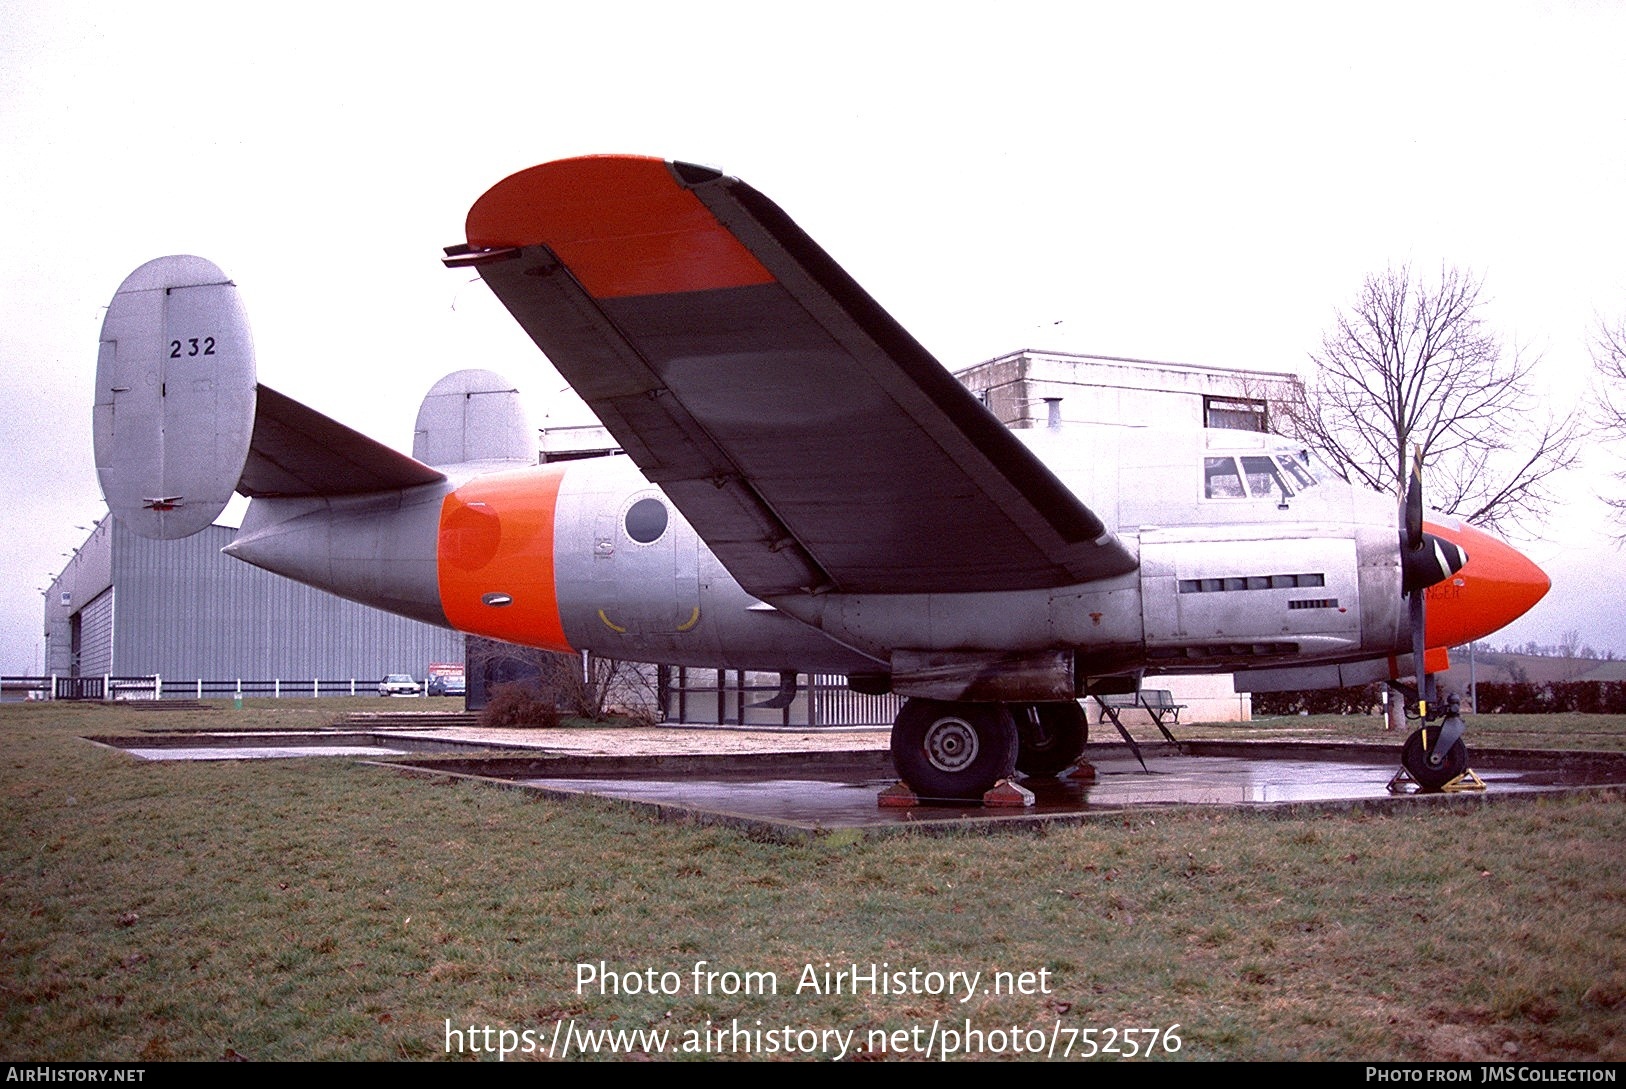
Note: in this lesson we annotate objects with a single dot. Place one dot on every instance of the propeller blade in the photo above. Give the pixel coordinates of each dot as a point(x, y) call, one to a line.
point(1412, 526)
point(1419, 654)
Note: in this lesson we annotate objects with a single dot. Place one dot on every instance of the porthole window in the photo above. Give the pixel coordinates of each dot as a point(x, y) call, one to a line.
point(646, 520)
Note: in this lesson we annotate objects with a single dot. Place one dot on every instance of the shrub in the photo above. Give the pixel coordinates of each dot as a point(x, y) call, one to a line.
point(519, 704)
point(1360, 700)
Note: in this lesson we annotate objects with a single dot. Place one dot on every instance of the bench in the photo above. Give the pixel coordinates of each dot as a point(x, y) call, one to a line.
point(1156, 702)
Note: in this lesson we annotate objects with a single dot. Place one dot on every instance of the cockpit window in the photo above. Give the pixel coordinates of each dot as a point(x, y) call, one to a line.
point(1274, 476)
point(1265, 478)
point(1299, 471)
point(1221, 480)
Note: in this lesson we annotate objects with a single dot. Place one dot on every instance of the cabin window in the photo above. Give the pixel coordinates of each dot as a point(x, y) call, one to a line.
point(646, 520)
point(1261, 476)
point(1298, 470)
point(1265, 478)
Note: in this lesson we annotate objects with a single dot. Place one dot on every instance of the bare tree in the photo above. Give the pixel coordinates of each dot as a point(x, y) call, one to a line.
point(587, 687)
point(1609, 405)
point(1412, 364)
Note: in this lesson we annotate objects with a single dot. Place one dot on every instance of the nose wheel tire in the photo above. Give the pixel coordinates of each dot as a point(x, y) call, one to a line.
point(953, 750)
point(1050, 737)
point(1432, 774)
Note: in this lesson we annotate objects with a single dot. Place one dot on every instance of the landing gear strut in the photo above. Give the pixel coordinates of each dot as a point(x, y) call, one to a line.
point(1435, 757)
point(1050, 737)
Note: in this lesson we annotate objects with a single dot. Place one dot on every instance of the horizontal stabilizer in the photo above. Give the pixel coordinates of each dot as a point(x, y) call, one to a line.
point(297, 451)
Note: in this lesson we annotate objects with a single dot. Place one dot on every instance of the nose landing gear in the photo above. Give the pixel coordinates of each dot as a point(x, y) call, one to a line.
point(1434, 758)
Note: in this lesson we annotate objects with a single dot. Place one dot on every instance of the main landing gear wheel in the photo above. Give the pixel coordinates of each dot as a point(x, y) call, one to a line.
point(953, 750)
point(1050, 737)
point(1432, 775)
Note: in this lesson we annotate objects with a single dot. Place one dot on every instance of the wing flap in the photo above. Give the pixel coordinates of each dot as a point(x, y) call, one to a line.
point(808, 438)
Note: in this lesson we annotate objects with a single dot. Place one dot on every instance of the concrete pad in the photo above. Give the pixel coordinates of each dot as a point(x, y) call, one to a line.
point(797, 781)
point(789, 793)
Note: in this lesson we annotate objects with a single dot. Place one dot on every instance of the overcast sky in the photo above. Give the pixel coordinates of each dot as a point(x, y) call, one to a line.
point(1200, 183)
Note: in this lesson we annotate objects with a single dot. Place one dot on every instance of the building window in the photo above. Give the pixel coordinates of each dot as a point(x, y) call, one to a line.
point(1235, 413)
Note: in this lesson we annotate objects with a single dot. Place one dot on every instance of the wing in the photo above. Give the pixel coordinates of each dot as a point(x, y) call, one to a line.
point(806, 436)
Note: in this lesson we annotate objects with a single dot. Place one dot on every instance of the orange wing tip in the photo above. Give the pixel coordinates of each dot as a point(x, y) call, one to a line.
point(624, 225)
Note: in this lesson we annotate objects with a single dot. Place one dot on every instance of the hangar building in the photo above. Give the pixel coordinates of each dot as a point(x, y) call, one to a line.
point(126, 606)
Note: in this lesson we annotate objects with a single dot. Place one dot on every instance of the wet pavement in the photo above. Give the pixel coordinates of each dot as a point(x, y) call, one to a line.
point(271, 745)
point(797, 781)
point(833, 799)
point(261, 752)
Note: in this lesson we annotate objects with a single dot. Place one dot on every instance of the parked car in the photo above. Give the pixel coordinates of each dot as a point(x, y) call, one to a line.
point(446, 686)
point(398, 684)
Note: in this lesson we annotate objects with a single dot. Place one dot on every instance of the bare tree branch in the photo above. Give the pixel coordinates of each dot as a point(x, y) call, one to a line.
point(1412, 364)
point(1609, 395)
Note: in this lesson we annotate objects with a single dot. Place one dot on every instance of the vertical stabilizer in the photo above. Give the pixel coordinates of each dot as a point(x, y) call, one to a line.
point(175, 397)
point(473, 415)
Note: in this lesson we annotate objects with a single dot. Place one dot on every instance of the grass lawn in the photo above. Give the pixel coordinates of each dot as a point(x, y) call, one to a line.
point(325, 909)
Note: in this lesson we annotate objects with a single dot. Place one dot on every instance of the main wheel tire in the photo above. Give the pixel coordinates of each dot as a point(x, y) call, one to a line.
point(953, 750)
point(1050, 737)
point(1415, 761)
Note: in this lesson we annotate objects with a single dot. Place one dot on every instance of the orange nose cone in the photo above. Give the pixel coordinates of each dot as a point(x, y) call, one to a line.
point(1496, 587)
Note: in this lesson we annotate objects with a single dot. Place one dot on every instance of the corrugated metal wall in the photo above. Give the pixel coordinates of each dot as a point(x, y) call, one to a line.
point(185, 611)
point(96, 635)
point(88, 574)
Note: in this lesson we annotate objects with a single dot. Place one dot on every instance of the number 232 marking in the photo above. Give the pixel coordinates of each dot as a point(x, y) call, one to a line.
point(205, 346)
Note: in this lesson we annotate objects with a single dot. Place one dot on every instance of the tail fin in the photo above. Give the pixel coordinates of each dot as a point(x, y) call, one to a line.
point(180, 422)
point(175, 393)
point(473, 415)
